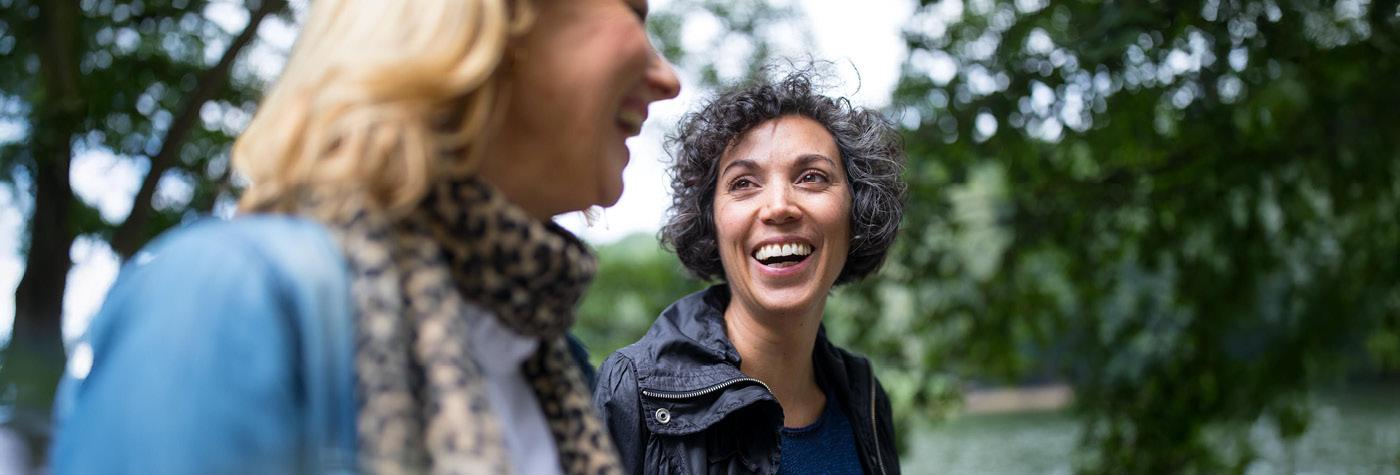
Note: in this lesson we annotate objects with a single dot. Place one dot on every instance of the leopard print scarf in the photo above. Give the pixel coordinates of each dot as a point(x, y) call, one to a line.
point(420, 283)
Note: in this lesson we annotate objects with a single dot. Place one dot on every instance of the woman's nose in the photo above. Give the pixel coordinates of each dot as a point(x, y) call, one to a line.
point(661, 77)
point(778, 207)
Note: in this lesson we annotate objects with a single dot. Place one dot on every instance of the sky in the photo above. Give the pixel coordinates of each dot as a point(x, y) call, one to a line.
point(862, 40)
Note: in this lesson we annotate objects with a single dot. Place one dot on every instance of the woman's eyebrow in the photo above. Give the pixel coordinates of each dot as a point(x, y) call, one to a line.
point(807, 158)
point(742, 162)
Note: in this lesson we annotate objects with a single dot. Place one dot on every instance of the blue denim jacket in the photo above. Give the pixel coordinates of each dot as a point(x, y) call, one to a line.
point(224, 347)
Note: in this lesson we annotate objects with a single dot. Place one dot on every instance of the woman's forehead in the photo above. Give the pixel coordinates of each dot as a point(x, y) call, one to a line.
point(786, 140)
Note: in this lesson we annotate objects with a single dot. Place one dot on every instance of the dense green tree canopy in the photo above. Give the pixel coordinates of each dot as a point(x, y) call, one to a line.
point(1186, 209)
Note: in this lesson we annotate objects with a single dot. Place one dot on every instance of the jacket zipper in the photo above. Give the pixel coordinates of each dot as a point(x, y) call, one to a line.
point(874, 428)
point(703, 391)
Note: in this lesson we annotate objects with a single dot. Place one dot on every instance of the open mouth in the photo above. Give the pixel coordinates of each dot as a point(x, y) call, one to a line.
point(782, 255)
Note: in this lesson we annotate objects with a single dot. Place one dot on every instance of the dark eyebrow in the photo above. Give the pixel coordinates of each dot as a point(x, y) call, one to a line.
point(807, 159)
point(743, 162)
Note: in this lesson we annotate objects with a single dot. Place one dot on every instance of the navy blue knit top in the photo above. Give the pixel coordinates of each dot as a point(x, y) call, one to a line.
point(826, 446)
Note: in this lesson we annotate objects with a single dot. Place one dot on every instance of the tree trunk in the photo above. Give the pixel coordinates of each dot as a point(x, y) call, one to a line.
point(34, 358)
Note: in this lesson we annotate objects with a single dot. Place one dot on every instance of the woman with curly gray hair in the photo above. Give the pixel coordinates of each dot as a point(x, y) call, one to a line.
point(780, 193)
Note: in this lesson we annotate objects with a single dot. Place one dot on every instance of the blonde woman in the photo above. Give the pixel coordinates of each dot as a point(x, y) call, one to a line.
point(393, 297)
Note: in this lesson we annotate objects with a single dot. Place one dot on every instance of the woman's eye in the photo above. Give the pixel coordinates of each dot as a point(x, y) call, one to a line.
point(812, 177)
point(740, 184)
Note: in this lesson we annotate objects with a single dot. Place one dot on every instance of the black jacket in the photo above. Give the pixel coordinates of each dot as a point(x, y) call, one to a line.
point(676, 402)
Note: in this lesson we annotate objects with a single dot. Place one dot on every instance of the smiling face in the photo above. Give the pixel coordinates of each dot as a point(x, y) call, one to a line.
point(782, 216)
point(579, 85)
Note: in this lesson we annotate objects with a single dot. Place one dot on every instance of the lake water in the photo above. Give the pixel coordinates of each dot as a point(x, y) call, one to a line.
point(1356, 431)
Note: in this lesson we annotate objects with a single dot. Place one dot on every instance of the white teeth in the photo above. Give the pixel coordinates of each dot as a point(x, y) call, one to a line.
point(779, 250)
point(632, 119)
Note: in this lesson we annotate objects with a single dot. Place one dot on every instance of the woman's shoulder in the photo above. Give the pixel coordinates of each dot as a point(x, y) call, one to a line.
point(222, 272)
point(615, 368)
point(211, 269)
point(252, 236)
point(292, 251)
point(211, 334)
point(691, 327)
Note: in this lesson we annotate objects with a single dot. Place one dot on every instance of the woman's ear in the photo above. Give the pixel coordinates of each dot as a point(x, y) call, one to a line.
point(515, 53)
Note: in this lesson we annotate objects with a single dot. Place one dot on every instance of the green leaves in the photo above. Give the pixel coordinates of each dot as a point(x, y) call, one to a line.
point(636, 280)
point(731, 41)
point(1181, 186)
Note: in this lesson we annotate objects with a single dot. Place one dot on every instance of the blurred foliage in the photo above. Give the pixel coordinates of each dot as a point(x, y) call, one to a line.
point(138, 63)
point(1187, 210)
point(152, 83)
point(636, 280)
point(722, 42)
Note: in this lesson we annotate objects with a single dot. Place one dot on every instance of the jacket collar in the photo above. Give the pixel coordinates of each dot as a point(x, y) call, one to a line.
point(687, 369)
point(687, 349)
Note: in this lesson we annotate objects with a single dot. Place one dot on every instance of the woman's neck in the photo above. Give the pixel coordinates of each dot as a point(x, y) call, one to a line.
point(777, 349)
point(517, 187)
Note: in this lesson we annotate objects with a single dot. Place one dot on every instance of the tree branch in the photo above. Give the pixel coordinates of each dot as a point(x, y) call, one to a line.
point(222, 184)
point(132, 233)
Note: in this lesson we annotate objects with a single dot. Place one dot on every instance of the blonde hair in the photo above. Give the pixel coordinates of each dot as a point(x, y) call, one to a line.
point(381, 97)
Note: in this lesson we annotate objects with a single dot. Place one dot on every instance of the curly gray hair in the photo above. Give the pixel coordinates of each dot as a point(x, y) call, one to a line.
point(871, 152)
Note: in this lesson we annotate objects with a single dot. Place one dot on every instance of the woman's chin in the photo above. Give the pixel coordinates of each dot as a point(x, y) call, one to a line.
point(610, 191)
point(788, 300)
point(608, 194)
point(784, 289)
point(610, 197)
